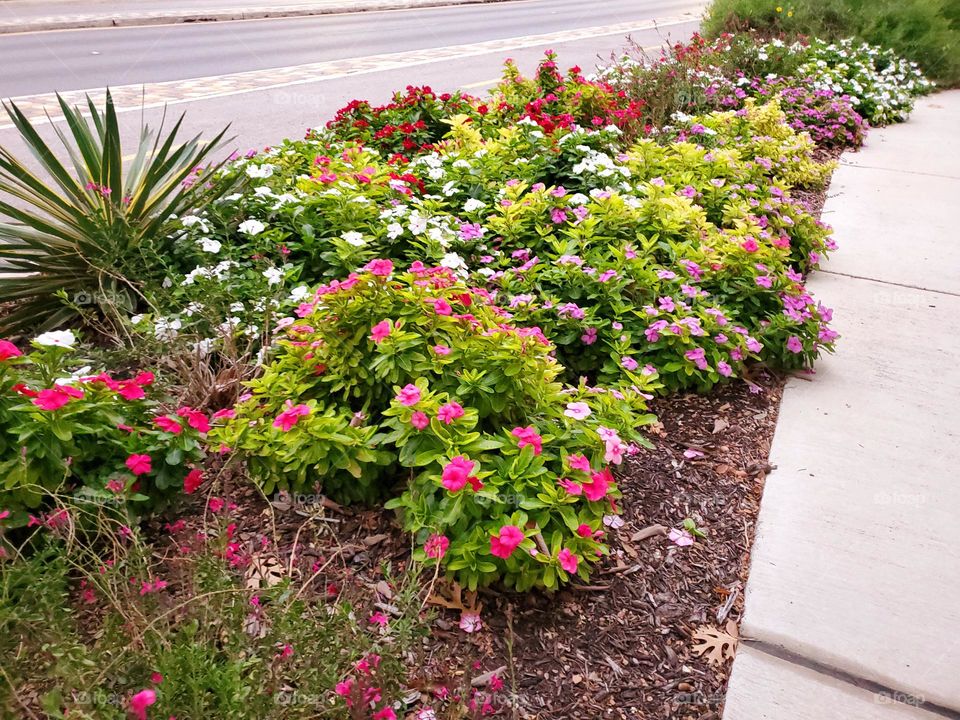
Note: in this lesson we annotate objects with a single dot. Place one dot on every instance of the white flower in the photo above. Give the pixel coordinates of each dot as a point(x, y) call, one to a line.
point(57, 338)
point(273, 275)
point(260, 171)
point(191, 220)
point(473, 204)
point(210, 245)
point(203, 347)
point(262, 191)
point(354, 238)
point(136, 319)
point(417, 223)
point(453, 261)
point(165, 329)
point(300, 293)
point(236, 307)
point(394, 230)
point(251, 227)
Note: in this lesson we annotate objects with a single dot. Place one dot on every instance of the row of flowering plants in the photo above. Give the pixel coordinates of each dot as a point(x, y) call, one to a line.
point(101, 438)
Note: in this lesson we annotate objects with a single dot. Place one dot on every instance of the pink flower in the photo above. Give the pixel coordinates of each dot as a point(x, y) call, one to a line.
point(192, 481)
point(228, 413)
point(378, 618)
point(380, 331)
point(584, 531)
point(409, 395)
point(457, 473)
point(140, 702)
point(419, 420)
point(195, 419)
point(381, 268)
point(598, 486)
point(449, 412)
point(568, 561)
point(57, 397)
point(470, 622)
point(441, 349)
point(577, 410)
point(629, 363)
point(503, 544)
point(570, 486)
point(139, 464)
point(345, 688)
point(386, 713)
point(680, 537)
point(794, 345)
point(168, 424)
point(528, 436)
point(156, 678)
point(578, 462)
point(291, 416)
point(442, 307)
point(692, 454)
point(216, 504)
point(724, 369)
point(750, 245)
point(436, 546)
point(8, 350)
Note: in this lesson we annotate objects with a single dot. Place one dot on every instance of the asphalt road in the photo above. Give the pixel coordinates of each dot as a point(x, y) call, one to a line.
point(261, 114)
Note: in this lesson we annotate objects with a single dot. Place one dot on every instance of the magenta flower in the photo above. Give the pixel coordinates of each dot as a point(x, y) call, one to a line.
point(380, 331)
point(140, 702)
point(697, 357)
point(419, 420)
point(378, 618)
point(724, 369)
point(138, 464)
point(457, 473)
point(409, 395)
point(578, 462)
point(570, 486)
point(503, 544)
point(584, 530)
point(449, 412)
point(57, 397)
point(8, 350)
point(568, 561)
point(528, 436)
point(436, 546)
point(750, 245)
point(598, 486)
point(379, 267)
point(794, 345)
point(291, 416)
point(441, 349)
point(442, 307)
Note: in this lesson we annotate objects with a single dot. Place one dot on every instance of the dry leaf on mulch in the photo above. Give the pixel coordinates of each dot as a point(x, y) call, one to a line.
point(717, 645)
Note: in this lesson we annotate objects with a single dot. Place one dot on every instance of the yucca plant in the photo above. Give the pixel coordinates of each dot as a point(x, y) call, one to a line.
point(88, 239)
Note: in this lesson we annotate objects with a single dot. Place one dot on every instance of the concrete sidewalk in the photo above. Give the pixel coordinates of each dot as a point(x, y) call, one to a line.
point(37, 15)
point(853, 600)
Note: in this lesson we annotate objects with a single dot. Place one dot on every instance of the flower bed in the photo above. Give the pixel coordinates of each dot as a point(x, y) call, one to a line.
point(458, 308)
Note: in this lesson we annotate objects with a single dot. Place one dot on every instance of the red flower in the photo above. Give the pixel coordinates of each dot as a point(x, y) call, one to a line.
point(139, 464)
point(192, 481)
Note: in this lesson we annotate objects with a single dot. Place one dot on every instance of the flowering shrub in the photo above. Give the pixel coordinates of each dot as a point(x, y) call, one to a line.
point(423, 372)
point(94, 435)
point(412, 122)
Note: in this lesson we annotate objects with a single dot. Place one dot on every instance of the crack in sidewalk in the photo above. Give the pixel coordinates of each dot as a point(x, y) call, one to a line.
point(879, 689)
point(890, 282)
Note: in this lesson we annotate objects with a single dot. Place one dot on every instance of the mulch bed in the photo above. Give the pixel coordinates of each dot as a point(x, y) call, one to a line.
point(620, 647)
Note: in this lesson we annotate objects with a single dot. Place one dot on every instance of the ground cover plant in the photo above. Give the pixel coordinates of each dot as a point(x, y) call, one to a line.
point(444, 318)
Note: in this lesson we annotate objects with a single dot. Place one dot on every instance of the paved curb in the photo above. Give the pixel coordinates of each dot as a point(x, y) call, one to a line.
point(76, 22)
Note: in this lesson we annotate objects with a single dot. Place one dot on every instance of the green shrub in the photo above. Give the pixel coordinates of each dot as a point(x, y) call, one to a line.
point(924, 31)
point(416, 385)
point(93, 436)
point(86, 244)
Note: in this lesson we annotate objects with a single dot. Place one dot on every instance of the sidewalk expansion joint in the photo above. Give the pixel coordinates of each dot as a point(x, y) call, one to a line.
point(900, 171)
point(879, 689)
point(890, 282)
